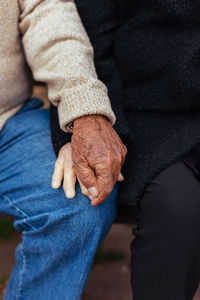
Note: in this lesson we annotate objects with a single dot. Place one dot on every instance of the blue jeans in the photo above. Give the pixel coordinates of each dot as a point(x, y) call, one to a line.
point(60, 235)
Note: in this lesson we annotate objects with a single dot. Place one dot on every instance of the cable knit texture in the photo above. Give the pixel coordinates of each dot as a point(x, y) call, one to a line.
point(48, 38)
point(148, 55)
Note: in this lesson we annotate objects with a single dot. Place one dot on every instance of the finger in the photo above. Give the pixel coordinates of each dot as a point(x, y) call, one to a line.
point(58, 172)
point(122, 147)
point(69, 173)
point(87, 177)
point(116, 165)
point(69, 181)
point(83, 188)
point(105, 185)
point(120, 177)
point(124, 153)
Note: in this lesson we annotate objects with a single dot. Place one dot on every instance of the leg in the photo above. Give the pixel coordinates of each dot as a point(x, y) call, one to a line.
point(166, 250)
point(60, 235)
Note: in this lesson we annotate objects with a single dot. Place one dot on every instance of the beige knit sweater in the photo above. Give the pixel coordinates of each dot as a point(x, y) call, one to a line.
point(48, 38)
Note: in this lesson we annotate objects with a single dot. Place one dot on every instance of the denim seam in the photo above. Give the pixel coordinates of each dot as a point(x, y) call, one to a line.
point(18, 293)
point(18, 209)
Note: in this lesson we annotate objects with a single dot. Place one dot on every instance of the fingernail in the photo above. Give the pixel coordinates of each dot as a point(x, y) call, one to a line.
point(121, 177)
point(93, 191)
point(55, 184)
point(70, 193)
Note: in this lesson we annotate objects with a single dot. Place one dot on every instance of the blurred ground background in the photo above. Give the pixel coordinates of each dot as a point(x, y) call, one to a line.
point(110, 275)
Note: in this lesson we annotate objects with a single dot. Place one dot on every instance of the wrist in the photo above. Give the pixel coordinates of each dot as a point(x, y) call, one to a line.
point(88, 121)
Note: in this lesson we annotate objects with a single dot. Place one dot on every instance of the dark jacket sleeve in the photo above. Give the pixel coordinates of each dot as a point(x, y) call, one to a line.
point(101, 20)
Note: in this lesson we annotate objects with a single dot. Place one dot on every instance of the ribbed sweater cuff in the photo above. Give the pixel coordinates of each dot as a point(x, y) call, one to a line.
point(81, 103)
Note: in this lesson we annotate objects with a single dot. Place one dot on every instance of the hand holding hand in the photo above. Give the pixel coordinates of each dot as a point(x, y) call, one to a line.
point(64, 170)
point(98, 154)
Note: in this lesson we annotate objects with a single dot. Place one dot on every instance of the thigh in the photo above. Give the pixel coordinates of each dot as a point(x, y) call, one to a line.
point(27, 166)
point(166, 249)
point(172, 196)
point(170, 208)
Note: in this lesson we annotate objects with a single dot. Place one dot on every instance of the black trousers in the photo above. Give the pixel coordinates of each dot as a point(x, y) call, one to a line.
point(165, 254)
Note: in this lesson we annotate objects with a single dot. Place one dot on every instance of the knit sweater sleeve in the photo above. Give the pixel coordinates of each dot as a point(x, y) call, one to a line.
point(60, 54)
point(101, 20)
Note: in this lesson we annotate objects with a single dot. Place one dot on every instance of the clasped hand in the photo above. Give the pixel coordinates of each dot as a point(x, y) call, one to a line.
point(94, 157)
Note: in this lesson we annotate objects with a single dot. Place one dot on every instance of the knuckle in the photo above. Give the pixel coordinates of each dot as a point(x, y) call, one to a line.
point(118, 159)
point(62, 151)
point(68, 180)
point(125, 149)
point(69, 172)
point(107, 160)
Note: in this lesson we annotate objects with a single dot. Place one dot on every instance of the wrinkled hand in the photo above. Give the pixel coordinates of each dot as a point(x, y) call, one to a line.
point(64, 170)
point(98, 154)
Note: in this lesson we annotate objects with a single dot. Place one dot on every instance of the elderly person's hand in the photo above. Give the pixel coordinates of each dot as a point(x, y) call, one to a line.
point(98, 154)
point(64, 170)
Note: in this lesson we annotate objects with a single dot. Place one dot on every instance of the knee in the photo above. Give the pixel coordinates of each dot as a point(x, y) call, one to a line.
point(63, 217)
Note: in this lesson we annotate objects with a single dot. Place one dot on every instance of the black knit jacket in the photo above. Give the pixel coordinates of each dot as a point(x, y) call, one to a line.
point(147, 52)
